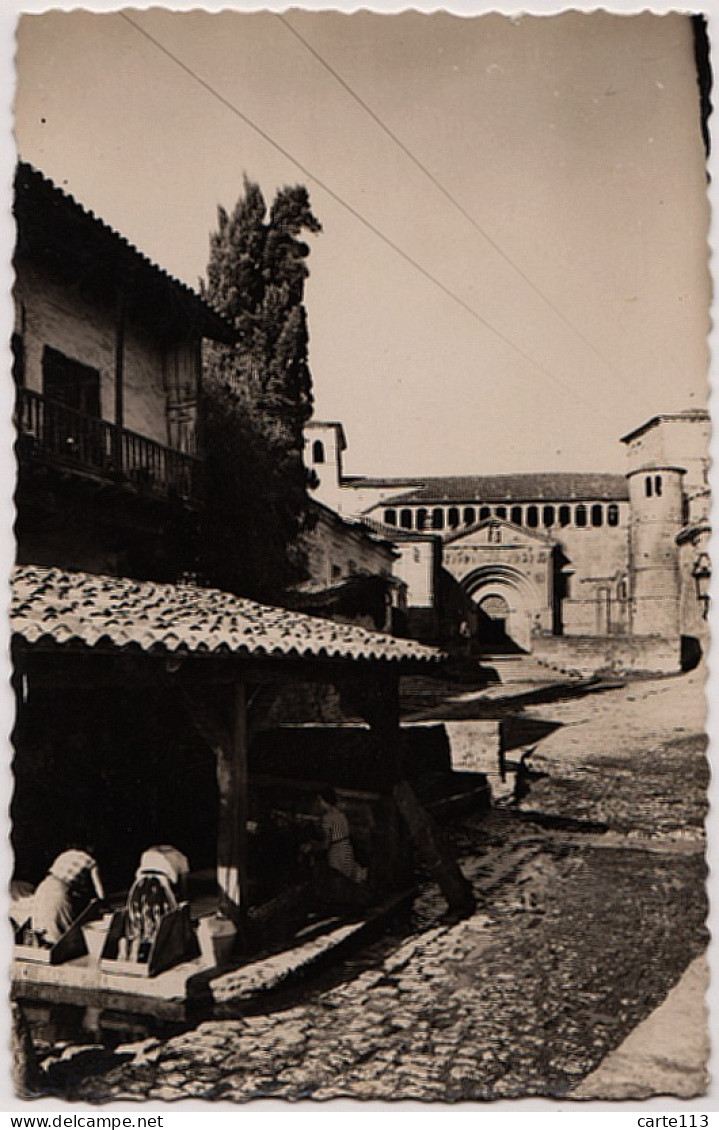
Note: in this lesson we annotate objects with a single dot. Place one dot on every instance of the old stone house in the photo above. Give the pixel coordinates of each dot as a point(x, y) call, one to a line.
point(351, 573)
point(106, 352)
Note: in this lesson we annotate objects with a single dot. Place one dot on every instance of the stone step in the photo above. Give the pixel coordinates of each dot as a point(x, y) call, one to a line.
point(241, 985)
point(526, 669)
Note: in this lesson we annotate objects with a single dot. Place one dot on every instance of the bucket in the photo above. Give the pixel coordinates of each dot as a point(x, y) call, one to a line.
point(216, 936)
point(95, 934)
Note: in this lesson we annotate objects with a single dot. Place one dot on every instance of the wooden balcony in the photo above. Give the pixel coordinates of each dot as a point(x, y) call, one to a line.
point(52, 433)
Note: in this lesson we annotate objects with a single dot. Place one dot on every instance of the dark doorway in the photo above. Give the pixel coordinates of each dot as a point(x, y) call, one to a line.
point(560, 589)
point(71, 383)
point(691, 653)
point(72, 428)
point(492, 618)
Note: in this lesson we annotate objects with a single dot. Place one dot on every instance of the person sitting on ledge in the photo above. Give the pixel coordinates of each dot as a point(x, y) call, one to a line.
point(338, 878)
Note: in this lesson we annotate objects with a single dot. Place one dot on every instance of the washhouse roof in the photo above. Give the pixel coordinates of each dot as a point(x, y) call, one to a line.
point(52, 606)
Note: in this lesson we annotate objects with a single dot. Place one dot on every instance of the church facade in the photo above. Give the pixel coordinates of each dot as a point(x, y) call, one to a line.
point(598, 569)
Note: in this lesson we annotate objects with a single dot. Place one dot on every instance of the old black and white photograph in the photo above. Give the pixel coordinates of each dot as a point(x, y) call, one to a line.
point(360, 576)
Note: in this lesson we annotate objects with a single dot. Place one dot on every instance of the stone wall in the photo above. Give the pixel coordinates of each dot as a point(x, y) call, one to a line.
point(587, 655)
point(600, 606)
point(416, 566)
point(598, 567)
point(347, 756)
point(473, 744)
point(145, 401)
point(337, 549)
point(422, 624)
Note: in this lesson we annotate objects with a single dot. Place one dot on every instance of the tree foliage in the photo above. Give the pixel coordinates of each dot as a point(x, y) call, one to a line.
point(257, 396)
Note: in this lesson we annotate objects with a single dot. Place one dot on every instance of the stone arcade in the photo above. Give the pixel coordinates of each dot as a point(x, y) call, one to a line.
point(591, 569)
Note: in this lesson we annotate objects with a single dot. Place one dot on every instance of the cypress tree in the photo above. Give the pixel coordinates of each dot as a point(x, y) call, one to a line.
point(257, 397)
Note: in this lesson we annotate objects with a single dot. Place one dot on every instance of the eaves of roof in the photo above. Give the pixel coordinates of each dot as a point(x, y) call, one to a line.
point(330, 424)
point(357, 528)
point(393, 534)
point(38, 202)
point(358, 482)
point(652, 467)
point(547, 486)
point(51, 606)
point(689, 415)
point(692, 530)
point(512, 527)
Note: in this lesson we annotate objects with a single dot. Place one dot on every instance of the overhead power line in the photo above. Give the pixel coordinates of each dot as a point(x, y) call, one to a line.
point(443, 189)
point(188, 70)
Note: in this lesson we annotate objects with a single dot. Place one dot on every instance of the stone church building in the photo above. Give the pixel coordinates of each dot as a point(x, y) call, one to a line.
point(590, 569)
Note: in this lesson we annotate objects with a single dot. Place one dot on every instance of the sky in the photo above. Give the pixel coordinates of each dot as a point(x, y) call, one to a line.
point(562, 205)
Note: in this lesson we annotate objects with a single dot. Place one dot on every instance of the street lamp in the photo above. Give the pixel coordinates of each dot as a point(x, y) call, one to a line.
point(702, 572)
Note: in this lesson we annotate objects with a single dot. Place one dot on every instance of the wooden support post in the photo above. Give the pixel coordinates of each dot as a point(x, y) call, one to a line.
point(232, 787)
point(381, 709)
point(119, 379)
point(376, 699)
point(385, 724)
point(229, 745)
point(431, 853)
point(502, 751)
point(25, 1070)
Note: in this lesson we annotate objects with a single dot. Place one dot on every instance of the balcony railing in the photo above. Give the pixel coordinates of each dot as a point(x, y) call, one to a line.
point(51, 431)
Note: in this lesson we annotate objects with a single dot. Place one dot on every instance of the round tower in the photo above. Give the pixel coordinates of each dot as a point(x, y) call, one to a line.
point(656, 514)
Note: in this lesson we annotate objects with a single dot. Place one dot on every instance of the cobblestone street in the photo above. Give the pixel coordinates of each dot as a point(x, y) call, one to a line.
point(591, 905)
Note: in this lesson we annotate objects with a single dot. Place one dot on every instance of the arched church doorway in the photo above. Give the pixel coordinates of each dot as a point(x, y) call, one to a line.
point(493, 615)
point(506, 604)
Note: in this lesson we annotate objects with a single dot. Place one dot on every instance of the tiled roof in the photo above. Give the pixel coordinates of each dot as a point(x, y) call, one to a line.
point(36, 194)
point(692, 529)
point(395, 534)
point(359, 528)
point(52, 606)
point(687, 415)
point(545, 486)
point(358, 482)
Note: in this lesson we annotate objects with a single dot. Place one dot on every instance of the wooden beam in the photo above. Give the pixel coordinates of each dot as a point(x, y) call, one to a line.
point(63, 665)
point(430, 851)
point(229, 745)
point(94, 668)
point(232, 787)
point(375, 698)
point(260, 702)
point(386, 723)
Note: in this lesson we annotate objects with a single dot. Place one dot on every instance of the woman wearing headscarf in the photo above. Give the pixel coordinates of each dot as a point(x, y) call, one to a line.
point(69, 886)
